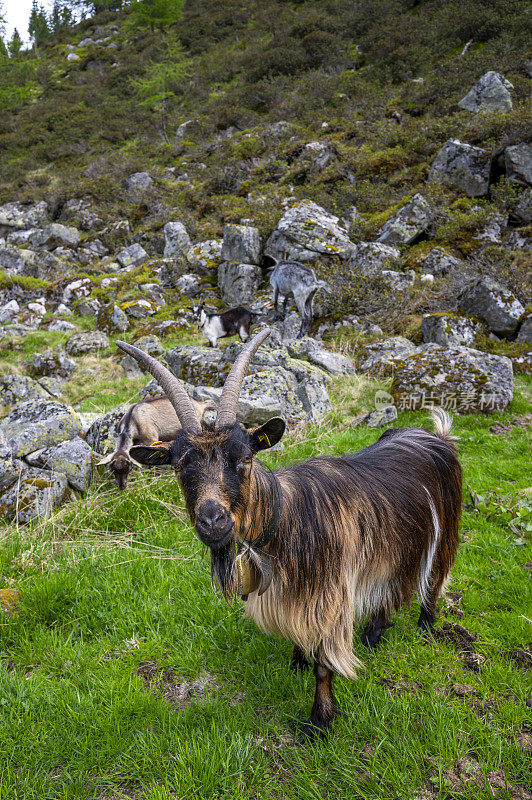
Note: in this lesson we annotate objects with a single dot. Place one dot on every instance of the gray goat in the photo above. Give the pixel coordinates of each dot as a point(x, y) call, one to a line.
point(296, 279)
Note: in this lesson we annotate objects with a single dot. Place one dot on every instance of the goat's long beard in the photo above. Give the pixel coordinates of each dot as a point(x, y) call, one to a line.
point(224, 572)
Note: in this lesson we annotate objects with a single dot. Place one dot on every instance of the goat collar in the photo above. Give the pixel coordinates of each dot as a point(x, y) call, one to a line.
point(254, 568)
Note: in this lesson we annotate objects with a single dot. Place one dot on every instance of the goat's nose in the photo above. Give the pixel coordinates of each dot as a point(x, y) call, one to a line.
point(213, 524)
point(212, 519)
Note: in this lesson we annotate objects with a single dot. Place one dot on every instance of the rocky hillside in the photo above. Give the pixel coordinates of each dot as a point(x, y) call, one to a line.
point(391, 151)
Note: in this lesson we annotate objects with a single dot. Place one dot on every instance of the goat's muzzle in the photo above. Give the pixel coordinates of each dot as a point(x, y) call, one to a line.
point(214, 524)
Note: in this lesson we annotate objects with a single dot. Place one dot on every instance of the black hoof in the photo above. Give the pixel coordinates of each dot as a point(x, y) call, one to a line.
point(310, 733)
point(299, 663)
point(426, 622)
point(371, 635)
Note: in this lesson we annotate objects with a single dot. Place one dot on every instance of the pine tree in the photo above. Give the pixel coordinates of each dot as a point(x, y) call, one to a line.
point(154, 13)
point(38, 25)
point(15, 45)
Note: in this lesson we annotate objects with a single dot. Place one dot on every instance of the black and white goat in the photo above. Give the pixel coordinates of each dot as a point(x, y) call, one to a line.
point(291, 278)
point(320, 545)
point(228, 323)
point(150, 420)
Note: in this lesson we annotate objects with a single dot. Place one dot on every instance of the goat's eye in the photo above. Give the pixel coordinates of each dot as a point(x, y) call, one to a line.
point(244, 462)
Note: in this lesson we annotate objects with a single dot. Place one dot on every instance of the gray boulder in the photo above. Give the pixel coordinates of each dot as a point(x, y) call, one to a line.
point(112, 319)
point(457, 378)
point(88, 307)
point(61, 325)
point(137, 309)
point(494, 303)
point(398, 281)
point(188, 284)
point(241, 243)
point(238, 283)
point(15, 260)
point(102, 433)
point(439, 263)
point(371, 257)
point(17, 216)
point(80, 212)
point(80, 343)
point(176, 240)
point(198, 365)
point(525, 331)
point(57, 235)
point(139, 182)
point(522, 213)
point(490, 93)
point(204, 257)
point(463, 166)
point(76, 290)
point(9, 311)
point(10, 468)
point(408, 224)
point(518, 161)
point(132, 256)
point(152, 345)
point(314, 353)
point(307, 231)
point(451, 330)
point(382, 357)
point(17, 388)
point(34, 424)
point(72, 458)
point(52, 362)
point(35, 494)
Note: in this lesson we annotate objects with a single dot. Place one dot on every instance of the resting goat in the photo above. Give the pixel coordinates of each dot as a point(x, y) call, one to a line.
point(293, 278)
point(151, 420)
point(229, 323)
point(320, 545)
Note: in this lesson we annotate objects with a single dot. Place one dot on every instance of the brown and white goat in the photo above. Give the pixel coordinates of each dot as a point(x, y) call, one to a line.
point(317, 546)
point(150, 420)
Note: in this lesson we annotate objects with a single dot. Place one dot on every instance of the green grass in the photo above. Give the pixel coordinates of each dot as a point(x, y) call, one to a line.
point(115, 580)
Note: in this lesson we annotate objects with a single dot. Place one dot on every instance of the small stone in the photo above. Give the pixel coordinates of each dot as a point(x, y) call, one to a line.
point(112, 319)
point(57, 235)
point(139, 182)
point(76, 290)
point(377, 418)
point(9, 311)
point(371, 257)
point(52, 362)
point(138, 309)
point(35, 494)
point(439, 263)
point(61, 325)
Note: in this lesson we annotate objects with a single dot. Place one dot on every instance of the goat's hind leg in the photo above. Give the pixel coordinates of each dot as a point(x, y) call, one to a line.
point(324, 709)
point(299, 660)
point(373, 631)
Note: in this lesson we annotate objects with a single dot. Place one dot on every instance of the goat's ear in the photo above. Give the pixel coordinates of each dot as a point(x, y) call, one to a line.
point(105, 460)
point(267, 435)
point(154, 456)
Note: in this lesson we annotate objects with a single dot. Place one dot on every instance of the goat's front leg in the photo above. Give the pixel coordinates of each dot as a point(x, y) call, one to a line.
point(324, 709)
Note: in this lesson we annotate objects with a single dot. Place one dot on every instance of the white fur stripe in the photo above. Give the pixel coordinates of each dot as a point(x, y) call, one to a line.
point(427, 559)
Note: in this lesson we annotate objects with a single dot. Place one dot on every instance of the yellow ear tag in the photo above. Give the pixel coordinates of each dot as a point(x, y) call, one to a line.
point(264, 438)
point(154, 444)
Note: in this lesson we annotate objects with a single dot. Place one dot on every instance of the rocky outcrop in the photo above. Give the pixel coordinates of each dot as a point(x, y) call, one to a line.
point(17, 388)
point(80, 343)
point(176, 240)
point(57, 235)
point(238, 283)
point(17, 216)
point(518, 162)
point(72, 458)
point(457, 378)
point(102, 433)
point(132, 256)
point(204, 257)
point(525, 331)
point(53, 363)
point(380, 358)
point(495, 304)
point(408, 224)
point(307, 231)
point(35, 494)
point(463, 166)
point(310, 350)
point(489, 94)
point(522, 212)
point(371, 257)
point(439, 263)
point(198, 365)
point(241, 243)
point(34, 424)
point(137, 309)
point(451, 330)
point(112, 319)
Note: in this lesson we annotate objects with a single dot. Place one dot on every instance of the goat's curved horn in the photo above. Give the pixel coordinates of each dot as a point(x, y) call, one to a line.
point(180, 400)
point(229, 399)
